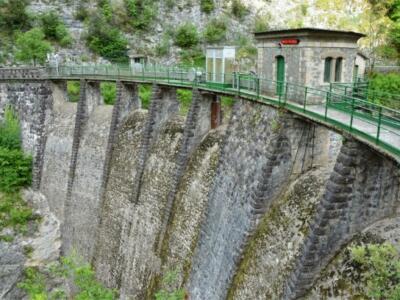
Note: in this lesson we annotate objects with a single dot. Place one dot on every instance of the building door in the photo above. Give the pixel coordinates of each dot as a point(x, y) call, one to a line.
point(280, 74)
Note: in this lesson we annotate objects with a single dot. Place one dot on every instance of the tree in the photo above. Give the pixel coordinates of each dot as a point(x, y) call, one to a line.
point(32, 47)
point(187, 36)
point(13, 15)
point(54, 29)
point(106, 40)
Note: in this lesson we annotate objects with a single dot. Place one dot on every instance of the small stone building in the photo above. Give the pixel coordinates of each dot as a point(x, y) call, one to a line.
point(307, 56)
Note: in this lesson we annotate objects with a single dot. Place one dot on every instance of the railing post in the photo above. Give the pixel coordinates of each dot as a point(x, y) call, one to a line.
point(238, 84)
point(328, 96)
point(305, 98)
point(286, 93)
point(352, 114)
point(379, 125)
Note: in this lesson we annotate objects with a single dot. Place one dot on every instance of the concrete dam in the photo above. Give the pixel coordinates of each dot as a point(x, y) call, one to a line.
point(256, 205)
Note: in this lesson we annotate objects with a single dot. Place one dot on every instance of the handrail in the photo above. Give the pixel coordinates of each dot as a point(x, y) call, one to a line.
point(375, 123)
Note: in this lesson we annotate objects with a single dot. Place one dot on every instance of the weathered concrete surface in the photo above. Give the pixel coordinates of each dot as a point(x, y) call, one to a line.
point(189, 208)
point(142, 262)
point(83, 210)
point(341, 279)
point(57, 154)
point(270, 253)
point(115, 215)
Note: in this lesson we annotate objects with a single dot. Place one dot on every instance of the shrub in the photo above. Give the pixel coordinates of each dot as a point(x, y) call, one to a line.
point(187, 36)
point(71, 269)
point(73, 90)
point(170, 293)
point(145, 95)
point(82, 13)
point(15, 170)
point(239, 9)
point(207, 6)
point(185, 99)
point(108, 92)
point(215, 31)
point(379, 267)
point(384, 89)
point(32, 47)
point(107, 41)
point(192, 58)
point(13, 15)
point(261, 23)
point(10, 132)
point(141, 13)
point(54, 29)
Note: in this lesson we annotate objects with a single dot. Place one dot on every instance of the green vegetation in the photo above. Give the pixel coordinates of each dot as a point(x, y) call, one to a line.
point(378, 268)
point(108, 92)
point(71, 269)
point(145, 95)
point(187, 36)
point(239, 9)
point(73, 90)
point(14, 16)
point(261, 22)
point(192, 57)
point(106, 40)
point(140, 13)
point(185, 99)
point(54, 29)
point(215, 31)
point(32, 47)
point(170, 293)
point(384, 89)
point(207, 6)
point(15, 173)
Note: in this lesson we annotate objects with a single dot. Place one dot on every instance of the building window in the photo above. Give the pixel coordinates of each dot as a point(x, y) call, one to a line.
point(328, 69)
point(338, 69)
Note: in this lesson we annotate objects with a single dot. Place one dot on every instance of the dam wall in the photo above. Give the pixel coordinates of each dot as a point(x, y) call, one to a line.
point(258, 207)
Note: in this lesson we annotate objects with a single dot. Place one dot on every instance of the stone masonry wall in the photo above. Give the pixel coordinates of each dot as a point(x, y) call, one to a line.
point(257, 160)
point(363, 188)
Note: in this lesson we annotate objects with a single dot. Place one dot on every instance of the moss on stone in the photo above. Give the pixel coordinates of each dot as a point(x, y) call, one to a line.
point(298, 198)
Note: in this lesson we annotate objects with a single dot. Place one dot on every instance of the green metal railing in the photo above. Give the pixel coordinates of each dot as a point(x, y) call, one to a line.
point(335, 106)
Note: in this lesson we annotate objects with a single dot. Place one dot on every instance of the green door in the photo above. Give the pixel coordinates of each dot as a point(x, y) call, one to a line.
point(280, 74)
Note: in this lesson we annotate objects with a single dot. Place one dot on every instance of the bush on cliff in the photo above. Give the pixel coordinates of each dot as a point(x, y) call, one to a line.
point(379, 270)
point(54, 29)
point(15, 166)
point(15, 173)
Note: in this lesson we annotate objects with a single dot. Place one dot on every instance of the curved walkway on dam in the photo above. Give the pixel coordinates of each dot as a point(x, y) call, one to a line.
point(376, 125)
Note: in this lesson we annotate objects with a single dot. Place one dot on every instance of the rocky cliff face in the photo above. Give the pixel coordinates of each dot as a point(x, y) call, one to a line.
point(43, 240)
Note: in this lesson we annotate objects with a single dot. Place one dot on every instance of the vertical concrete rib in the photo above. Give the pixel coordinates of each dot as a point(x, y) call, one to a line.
point(44, 95)
point(188, 143)
point(80, 120)
point(146, 140)
point(115, 122)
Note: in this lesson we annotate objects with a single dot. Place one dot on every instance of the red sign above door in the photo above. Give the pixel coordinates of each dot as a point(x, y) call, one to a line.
point(290, 42)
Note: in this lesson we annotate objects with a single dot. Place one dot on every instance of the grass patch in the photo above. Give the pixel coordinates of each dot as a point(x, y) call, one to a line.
point(71, 269)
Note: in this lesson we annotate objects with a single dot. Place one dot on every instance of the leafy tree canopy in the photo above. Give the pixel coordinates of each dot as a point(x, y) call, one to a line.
point(32, 47)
